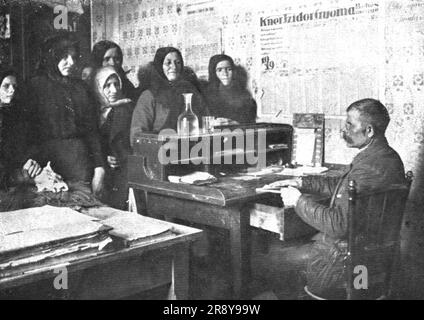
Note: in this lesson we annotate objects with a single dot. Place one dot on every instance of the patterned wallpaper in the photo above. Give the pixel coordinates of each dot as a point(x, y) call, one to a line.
point(319, 65)
point(377, 52)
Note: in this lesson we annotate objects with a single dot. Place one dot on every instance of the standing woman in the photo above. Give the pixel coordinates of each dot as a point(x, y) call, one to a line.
point(15, 164)
point(64, 117)
point(114, 123)
point(160, 105)
point(226, 96)
point(108, 53)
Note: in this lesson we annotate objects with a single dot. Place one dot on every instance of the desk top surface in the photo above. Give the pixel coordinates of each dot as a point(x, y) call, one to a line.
point(228, 190)
point(113, 252)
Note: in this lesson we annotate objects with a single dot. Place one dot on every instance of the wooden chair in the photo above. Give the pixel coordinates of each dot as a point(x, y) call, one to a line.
point(373, 241)
point(374, 224)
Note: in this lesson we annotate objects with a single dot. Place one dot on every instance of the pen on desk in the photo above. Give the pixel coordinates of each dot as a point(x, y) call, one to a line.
point(278, 113)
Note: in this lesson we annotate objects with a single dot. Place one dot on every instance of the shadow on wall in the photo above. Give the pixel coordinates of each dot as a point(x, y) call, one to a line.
point(411, 284)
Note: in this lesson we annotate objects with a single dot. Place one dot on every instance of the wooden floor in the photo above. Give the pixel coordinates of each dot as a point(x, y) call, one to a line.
point(210, 271)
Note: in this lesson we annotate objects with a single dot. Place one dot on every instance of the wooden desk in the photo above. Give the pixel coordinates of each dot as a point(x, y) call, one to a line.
point(158, 263)
point(226, 204)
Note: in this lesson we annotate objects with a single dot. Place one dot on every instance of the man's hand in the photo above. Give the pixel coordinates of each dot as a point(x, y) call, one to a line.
point(113, 162)
point(296, 182)
point(97, 184)
point(31, 169)
point(290, 196)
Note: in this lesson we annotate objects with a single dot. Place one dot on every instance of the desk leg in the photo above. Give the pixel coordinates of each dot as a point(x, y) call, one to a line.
point(240, 251)
point(180, 273)
point(132, 203)
point(137, 200)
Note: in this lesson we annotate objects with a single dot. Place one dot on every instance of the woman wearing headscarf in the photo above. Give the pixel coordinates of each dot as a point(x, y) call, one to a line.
point(15, 163)
point(64, 116)
point(225, 94)
point(114, 123)
point(108, 53)
point(160, 105)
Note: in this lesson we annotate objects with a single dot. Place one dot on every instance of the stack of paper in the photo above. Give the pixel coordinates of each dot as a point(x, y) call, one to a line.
point(134, 228)
point(36, 237)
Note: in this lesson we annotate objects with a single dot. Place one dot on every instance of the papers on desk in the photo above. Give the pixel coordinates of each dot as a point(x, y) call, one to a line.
point(276, 186)
point(301, 171)
point(265, 171)
point(33, 237)
point(134, 228)
point(196, 178)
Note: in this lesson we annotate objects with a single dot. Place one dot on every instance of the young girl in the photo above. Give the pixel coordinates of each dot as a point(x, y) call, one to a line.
point(225, 95)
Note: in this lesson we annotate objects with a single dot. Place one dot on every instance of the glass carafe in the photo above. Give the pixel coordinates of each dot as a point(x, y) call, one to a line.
point(188, 123)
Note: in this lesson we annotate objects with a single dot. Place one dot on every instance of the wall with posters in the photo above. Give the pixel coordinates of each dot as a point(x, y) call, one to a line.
point(302, 56)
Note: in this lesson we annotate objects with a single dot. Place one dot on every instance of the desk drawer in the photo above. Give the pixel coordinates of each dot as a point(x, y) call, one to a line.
point(279, 220)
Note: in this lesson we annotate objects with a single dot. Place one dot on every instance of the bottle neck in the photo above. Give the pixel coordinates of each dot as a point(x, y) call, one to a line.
point(188, 107)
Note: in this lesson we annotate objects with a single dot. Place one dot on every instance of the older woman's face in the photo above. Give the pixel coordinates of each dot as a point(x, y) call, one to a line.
point(224, 72)
point(7, 89)
point(66, 64)
point(172, 66)
point(112, 89)
point(112, 58)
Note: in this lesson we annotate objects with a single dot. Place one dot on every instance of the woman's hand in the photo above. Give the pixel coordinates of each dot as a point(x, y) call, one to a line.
point(97, 184)
point(31, 169)
point(120, 102)
point(113, 162)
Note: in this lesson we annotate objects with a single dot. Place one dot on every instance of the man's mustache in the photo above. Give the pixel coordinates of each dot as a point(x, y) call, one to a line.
point(347, 138)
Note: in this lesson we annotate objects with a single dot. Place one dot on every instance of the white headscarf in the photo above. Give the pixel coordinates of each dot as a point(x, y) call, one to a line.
point(102, 75)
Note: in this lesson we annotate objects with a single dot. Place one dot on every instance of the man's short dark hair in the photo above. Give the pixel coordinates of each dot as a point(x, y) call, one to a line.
point(374, 112)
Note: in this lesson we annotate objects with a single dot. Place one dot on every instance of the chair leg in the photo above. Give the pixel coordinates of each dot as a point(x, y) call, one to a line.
point(313, 296)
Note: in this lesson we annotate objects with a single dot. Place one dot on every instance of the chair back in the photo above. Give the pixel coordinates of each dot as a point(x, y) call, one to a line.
point(374, 223)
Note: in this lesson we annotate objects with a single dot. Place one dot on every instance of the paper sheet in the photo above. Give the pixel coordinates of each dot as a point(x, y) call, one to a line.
point(32, 227)
point(133, 227)
point(300, 171)
point(305, 146)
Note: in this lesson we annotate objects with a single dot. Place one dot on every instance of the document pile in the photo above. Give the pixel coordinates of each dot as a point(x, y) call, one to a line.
point(133, 229)
point(36, 238)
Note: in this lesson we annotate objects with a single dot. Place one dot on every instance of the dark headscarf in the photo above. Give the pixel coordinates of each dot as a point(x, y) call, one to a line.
point(97, 55)
point(12, 131)
point(15, 108)
point(55, 49)
point(234, 101)
point(214, 60)
point(160, 57)
point(99, 51)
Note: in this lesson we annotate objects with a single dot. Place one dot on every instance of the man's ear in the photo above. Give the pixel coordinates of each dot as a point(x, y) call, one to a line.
point(370, 131)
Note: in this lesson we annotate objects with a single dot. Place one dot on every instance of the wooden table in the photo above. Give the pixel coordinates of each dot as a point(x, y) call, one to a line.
point(226, 204)
point(158, 263)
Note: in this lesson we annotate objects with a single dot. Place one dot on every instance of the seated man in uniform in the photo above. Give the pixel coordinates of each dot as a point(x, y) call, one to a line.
point(376, 166)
